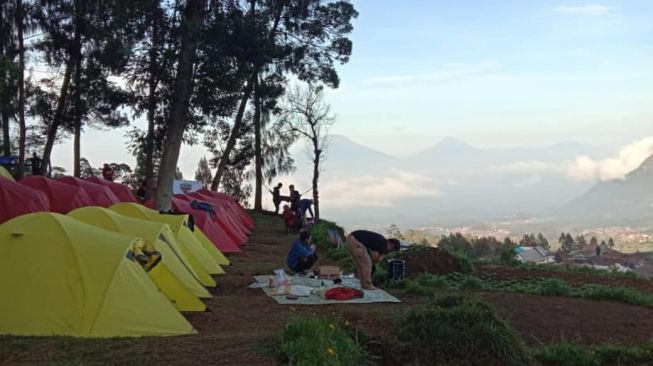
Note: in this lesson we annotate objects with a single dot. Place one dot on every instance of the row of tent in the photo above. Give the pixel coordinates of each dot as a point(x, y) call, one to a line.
point(121, 270)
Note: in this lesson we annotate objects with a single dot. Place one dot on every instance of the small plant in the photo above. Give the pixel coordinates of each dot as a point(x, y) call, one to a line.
point(316, 341)
point(554, 287)
point(472, 283)
point(465, 263)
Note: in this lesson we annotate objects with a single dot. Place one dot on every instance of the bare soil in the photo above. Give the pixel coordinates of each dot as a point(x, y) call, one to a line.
point(430, 260)
point(243, 325)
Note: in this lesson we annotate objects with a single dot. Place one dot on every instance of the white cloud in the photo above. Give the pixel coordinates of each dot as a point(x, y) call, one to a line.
point(628, 159)
point(588, 10)
point(448, 72)
point(530, 181)
point(532, 166)
point(376, 191)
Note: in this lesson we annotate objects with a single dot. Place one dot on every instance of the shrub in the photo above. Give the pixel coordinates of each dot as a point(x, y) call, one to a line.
point(471, 283)
point(315, 341)
point(554, 287)
point(465, 263)
point(622, 294)
point(457, 330)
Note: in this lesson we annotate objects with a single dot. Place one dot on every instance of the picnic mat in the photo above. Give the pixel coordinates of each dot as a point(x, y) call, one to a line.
point(378, 295)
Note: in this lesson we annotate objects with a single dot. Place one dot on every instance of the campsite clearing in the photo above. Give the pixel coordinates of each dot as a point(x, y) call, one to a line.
point(243, 325)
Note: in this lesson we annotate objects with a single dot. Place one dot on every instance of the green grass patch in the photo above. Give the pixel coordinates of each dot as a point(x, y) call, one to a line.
point(458, 330)
point(571, 354)
point(317, 341)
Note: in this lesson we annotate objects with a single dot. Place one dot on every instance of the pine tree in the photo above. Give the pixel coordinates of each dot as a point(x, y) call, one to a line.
point(203, 173)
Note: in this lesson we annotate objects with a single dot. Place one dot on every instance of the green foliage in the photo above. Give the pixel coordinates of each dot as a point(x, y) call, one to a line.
point(320, 236)
point(315, 341)
point(457, 330)
point(571, 354)
point(465, 263)
point(554, 287)
point(471, 283)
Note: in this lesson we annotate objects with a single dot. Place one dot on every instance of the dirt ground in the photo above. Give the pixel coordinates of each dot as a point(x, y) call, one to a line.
point(243, 325)
point(430, 260)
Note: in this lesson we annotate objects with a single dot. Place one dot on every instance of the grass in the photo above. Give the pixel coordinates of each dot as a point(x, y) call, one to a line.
point(458, 330)
point(571, 354)
point(425, 284)
point(319, 341)
point(577, 269)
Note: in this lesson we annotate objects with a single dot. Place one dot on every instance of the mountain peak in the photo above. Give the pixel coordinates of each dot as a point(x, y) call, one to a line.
point(453, 144)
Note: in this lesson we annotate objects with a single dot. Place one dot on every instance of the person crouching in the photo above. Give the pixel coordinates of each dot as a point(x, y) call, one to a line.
point(302, 257)
point(368, 248)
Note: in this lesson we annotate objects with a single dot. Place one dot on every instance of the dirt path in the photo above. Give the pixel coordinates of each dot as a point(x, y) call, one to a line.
point(243, 324)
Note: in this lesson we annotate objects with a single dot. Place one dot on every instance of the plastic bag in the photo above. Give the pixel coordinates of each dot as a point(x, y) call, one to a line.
point(281, 278)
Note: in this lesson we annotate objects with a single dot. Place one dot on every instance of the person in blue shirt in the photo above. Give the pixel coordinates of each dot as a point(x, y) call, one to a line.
point(302, 253)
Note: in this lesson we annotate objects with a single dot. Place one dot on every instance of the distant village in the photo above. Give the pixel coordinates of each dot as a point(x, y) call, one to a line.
point(631, 252)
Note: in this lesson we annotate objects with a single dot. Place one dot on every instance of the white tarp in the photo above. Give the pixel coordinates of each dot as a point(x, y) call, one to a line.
point(185, 186)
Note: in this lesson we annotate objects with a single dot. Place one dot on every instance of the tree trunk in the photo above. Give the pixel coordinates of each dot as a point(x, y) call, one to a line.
point(258, 160)
point(77, 100)
point(56, 120)
point(191, 25)
point(21, 90)
point(5, 128)
point(233, 136)
point(316, 175)
point(151, 106)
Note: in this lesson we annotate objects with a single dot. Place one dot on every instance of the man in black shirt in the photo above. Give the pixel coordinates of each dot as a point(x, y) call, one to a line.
point(367, 248)
point(276, 197)
point(36, 164)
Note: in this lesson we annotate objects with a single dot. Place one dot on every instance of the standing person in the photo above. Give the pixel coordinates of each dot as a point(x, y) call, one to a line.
point(276, 197)
point(35, 161)
point(107, 172)
point(294, 197)
point(368, 248)
point(302, 255)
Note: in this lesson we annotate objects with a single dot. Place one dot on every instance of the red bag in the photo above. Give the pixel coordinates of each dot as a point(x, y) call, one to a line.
point(343, 293)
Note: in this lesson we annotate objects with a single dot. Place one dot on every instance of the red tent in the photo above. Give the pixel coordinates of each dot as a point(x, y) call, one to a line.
point(202, 219)
point(221, 218)
point(63, 197)
point(229, 219)
point(242, 214)
point(121, 191)
point(101, 195)
point(17, 199)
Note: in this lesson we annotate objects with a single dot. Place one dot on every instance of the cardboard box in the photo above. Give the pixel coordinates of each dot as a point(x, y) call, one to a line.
point(329, 272)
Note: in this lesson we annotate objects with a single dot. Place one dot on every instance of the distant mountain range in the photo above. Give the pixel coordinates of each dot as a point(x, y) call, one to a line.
point(628, 200)
point(454, 181)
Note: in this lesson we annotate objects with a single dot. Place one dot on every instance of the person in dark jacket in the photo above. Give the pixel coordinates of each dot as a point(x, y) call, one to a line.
point(368, 248)
point(294, 197)
point(35, 161)
point(302, 255)
point(276, 197)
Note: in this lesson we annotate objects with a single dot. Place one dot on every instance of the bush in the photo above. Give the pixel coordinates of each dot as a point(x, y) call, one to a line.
point(554, 287)
point(465, 263)
point(471, 283)
point(315, 341)
point(457, 330)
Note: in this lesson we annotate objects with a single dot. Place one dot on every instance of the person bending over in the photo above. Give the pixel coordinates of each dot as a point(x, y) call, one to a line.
point(302, 255)
point(368, 248)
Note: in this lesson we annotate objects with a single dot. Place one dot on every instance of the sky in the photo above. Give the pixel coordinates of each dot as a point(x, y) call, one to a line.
point(491, 73)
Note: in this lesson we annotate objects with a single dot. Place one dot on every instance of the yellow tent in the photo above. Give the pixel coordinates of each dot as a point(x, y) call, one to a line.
point(59, 276)
point(200, 260)
point(173, 275)
point(5, 173)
